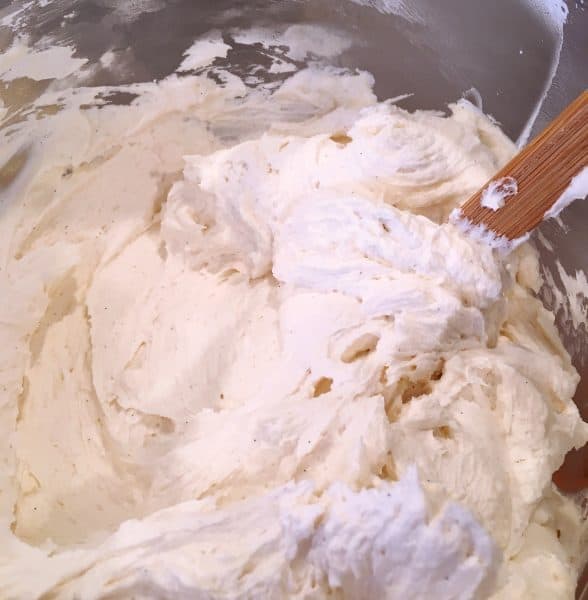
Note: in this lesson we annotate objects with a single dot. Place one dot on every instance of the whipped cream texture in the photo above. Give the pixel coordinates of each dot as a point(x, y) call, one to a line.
point(244, 354)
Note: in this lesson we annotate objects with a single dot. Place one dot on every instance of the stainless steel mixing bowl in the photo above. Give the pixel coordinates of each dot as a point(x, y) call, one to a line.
point(504, 51)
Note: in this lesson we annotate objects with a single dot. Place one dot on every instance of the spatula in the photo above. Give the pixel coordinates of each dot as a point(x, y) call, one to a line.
point(536, 184)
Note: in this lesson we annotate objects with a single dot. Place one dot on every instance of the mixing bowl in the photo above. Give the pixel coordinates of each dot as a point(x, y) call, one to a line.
point(515, 58)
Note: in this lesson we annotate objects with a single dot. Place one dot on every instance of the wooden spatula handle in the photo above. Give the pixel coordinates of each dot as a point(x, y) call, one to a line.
point(542, 170)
